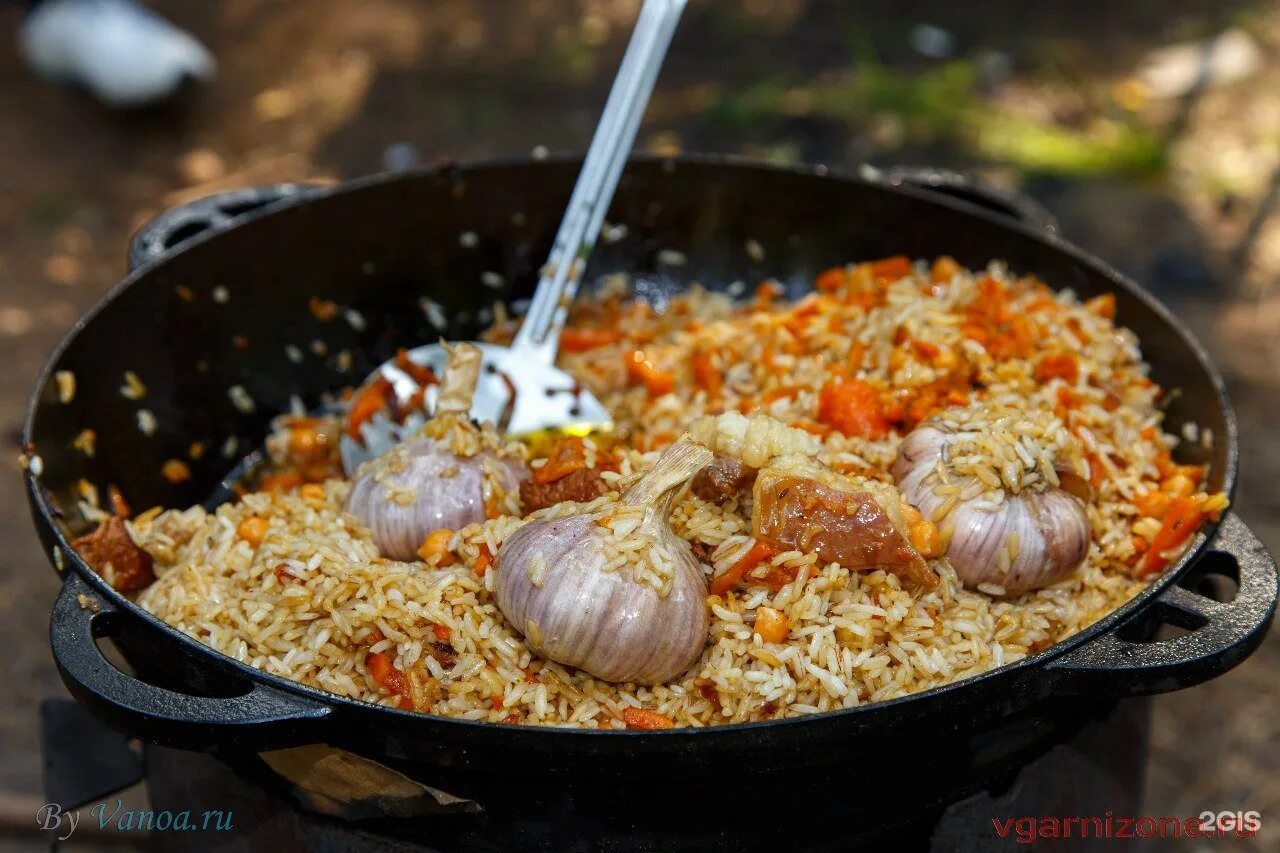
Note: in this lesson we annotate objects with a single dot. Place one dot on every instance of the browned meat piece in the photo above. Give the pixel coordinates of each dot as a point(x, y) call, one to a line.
point(580, 485)
point(726, 477)
point(442, 652)
point(848, 527)
point(111, 553)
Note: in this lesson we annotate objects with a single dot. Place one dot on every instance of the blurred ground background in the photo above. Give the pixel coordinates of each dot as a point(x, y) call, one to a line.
point(1151, 129)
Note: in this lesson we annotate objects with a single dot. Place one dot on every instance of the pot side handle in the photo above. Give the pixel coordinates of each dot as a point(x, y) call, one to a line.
point(1219, 635)
point(179, 224)
point(261, 718)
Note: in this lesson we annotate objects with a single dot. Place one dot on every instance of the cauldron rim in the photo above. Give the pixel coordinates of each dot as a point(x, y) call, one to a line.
point(733, 165)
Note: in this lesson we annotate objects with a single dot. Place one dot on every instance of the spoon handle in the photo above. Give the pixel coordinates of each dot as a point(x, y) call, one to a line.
point(539, 335)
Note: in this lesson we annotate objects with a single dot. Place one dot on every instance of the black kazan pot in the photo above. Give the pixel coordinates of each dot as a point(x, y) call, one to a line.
point(218, 300)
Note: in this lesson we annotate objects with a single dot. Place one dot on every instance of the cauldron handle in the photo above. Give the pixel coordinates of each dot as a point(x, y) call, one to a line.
point(260, 718)
point(1219, 635)
point(179, 224)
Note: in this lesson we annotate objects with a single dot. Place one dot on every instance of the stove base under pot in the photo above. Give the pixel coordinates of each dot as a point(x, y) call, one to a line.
point(1099, 769)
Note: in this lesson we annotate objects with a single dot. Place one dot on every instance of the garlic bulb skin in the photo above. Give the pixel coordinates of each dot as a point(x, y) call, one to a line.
point(439, 478)
point(1030, 540)
point(554, 587)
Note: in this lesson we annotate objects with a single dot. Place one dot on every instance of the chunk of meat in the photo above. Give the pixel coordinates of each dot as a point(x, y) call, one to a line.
point(580, 485)
point(110, 552)
point(852, 528)
point(442, 652)
point(726, 477)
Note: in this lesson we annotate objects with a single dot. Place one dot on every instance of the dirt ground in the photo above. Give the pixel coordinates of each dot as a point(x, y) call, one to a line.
point(1177, 188)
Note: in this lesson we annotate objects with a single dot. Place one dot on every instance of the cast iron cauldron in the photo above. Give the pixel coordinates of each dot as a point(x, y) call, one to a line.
point(219, 298)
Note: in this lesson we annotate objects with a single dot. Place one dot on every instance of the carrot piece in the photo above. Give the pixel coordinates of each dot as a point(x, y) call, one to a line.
point(922, 532)
point(369, 400)
point(311, 492)
point(925, 538)
point(813, 428)
point(583, 339)
point(1140, 547)
point(483, 560)
point(852, 407)
point(323, 310)
point(1178, 486)
point(1194, 473)
point(777, 577)
point(857, 352)
point(642, 718)
point(926, 350)
point(418, 373)
point(252, 530)
point(441, 632)
point(435, 547)
point(642, 371)
point(778, 393)
point(864, 299)
point(944, 269)
point(829, 281)
point(1097, 472)
point(1103, 306)
point(1182, 519)
point(705, 373)
point(758, 553)
point(304, 442)
point(771, 625)
point(893, 267)
point(767, 291)
point(1012, 337)
point(1061, 366)
point(659, 440)
point(811, 305)
point(119, 506)
point(992, 293)
point(975, 332)
point(281, 482)
point(382, 669)
point(1167, 468)
point(767, 357)
point(86, 442)
point(1153, 504)
point(175, 471)
point(567, 455)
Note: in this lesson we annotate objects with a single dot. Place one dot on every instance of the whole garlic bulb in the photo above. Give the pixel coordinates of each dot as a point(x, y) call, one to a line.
point(613, 592)
point(420, 486)
point(440, 478)
point(1014, 536)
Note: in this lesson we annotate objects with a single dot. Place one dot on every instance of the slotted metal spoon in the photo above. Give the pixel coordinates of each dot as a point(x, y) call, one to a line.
point(520, 387)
